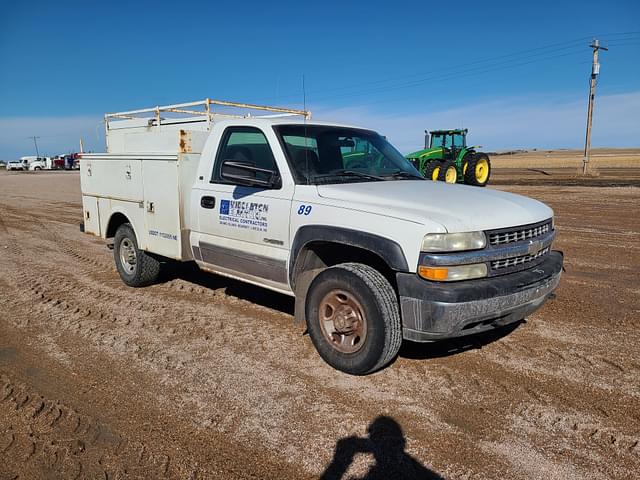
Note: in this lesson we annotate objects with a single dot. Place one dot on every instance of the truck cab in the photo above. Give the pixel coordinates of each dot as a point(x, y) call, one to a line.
point(39, 163)
point(326, 213)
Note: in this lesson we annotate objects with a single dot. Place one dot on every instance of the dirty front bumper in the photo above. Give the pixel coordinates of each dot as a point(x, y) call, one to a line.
point(438, 310)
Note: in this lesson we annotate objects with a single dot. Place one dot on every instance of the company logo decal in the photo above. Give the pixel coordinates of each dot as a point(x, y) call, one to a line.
point(241, 214)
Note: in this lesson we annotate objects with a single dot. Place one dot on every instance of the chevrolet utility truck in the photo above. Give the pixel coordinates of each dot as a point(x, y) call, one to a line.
point(330, 214)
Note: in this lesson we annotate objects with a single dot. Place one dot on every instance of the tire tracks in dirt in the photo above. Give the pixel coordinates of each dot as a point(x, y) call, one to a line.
point(214, 365)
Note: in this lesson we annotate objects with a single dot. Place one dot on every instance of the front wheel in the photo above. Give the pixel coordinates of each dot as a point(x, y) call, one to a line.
point(432, 170)
point(136, 267)
point(353, 318)
point(448, 173)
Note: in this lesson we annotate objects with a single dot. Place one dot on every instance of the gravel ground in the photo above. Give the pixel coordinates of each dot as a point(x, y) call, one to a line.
point(203, 377)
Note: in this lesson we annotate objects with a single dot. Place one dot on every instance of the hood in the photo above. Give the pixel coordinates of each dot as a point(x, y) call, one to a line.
point(458, 208)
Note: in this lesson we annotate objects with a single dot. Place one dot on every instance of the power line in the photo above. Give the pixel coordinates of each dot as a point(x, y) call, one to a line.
point(405, 97)
point(496, 60)
point(493, 61)
point(623, 44)
point(444, 77)
point(636, 32)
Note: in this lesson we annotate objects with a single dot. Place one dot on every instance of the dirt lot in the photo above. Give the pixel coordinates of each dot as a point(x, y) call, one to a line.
point(202, 377)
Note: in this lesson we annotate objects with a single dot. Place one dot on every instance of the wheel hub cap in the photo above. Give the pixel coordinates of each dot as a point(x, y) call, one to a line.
point(342, 321)
point(127, 255)
point(451, 175)
point(482, 170)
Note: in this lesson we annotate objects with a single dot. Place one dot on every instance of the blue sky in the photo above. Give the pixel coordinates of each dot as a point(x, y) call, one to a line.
point(514, 73)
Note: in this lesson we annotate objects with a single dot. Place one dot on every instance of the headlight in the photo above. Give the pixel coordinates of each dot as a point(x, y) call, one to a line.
point(453, 242)
point(453, 273)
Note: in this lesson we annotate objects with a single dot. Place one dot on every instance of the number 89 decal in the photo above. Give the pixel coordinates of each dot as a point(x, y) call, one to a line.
point(304, 210)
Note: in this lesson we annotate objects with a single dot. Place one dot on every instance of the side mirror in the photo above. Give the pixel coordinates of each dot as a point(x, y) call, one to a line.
point(247, 174)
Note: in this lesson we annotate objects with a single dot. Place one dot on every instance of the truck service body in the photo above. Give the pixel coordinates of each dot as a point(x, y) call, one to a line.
point(249, 198)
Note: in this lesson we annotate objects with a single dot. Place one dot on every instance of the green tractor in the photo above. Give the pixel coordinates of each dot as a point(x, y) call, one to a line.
point(449, 159)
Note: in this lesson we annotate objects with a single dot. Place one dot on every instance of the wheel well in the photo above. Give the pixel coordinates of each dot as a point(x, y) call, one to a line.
point(319, 255)
point(115, 221)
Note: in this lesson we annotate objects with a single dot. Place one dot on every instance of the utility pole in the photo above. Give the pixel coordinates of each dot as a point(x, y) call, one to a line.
point(595, 70)
point(36, 144)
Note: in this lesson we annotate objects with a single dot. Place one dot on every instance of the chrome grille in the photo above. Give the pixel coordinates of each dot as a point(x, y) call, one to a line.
point(517, 261)
point(519, 234)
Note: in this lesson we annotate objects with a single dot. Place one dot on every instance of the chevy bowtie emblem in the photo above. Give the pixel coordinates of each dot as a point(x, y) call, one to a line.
point(534, 247)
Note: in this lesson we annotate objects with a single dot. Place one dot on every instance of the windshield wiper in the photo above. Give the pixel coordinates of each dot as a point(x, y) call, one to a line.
point(403, 174)
point(350, 173)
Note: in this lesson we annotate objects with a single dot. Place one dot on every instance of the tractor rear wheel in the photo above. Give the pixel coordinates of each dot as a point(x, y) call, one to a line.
point(478, 170)
point(432, 170)
point(448, 173)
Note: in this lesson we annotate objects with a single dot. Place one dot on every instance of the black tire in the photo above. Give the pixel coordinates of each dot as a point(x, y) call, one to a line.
point(447, 166)
point(470, 177)
point(144, 270)
point(379, 308)
point(430, 170)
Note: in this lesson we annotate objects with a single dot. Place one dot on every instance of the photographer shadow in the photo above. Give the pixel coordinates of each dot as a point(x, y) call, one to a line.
point(386, 442)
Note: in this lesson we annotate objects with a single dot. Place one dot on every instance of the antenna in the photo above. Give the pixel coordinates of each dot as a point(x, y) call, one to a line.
point(306, 139)
point(304, 97)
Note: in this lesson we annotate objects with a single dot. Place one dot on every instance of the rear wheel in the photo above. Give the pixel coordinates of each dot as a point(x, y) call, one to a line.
point(478, 170)
point(448, 173)
point(432, 170)
point(136, 267)
point(353, 318)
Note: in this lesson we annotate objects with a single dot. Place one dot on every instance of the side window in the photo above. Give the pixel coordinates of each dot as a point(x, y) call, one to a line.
point(246, 145)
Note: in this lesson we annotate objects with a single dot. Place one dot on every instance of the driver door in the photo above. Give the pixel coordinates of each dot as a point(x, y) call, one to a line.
point(244, 231)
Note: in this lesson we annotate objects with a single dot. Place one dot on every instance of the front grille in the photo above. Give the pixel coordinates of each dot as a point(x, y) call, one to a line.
point(517, 261)
point(519, 234)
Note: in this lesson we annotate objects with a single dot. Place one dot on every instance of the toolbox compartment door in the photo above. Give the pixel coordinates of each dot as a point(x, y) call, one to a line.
point(115, 178)
point(90, 214)
point(162, 207)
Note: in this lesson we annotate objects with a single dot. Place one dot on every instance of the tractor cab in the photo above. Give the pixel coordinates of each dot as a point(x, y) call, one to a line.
point(451, 140)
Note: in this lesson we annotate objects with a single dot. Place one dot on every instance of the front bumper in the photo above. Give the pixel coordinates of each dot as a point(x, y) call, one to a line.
point(434, 311)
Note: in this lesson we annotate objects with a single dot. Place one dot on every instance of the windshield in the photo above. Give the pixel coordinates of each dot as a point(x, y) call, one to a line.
point(320, 154)
point(447, 140)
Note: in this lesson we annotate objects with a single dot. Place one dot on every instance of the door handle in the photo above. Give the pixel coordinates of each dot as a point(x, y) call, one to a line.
point(208, 202)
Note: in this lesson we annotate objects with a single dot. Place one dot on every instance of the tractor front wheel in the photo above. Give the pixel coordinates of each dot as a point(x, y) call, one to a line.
point(432, 170)
point(448, 173)
point(478, 170)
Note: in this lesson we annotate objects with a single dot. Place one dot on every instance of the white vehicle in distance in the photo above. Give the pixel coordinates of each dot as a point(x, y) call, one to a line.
point(18, 165)
point(330, 214)
point(37, 163)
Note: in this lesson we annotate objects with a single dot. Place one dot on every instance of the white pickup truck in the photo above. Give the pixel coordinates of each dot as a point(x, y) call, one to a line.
point(330, 214)
point(21, 164)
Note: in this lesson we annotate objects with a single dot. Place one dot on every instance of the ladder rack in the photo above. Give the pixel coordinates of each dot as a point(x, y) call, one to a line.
point(201, 108)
